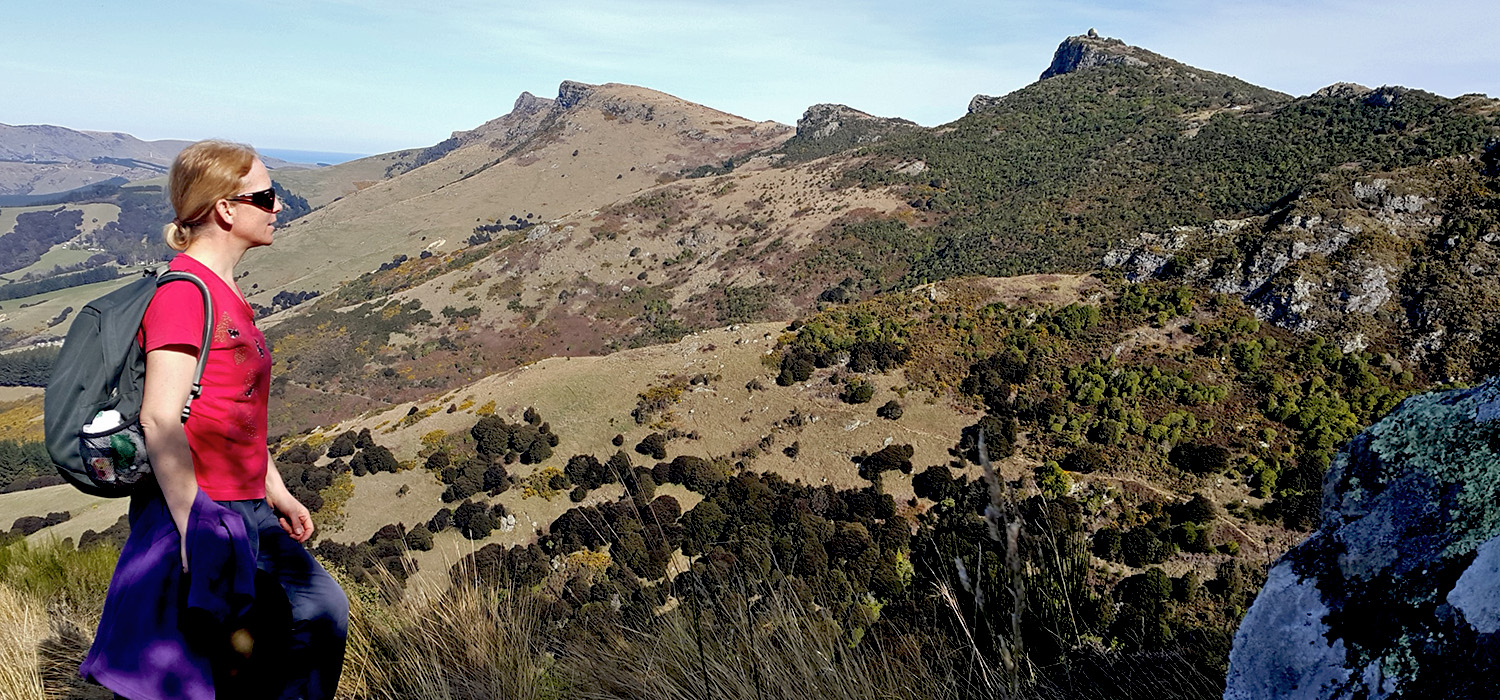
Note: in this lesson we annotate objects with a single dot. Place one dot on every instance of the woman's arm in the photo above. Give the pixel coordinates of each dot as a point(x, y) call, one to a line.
point(294, 516)
point(169, 380)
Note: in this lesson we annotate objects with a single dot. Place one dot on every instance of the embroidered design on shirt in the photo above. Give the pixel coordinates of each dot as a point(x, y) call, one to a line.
point(223, 331)
point(241, 354)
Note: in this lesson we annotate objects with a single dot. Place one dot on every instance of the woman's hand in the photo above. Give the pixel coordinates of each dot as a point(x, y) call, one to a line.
point(293, 516)
point(295, 519)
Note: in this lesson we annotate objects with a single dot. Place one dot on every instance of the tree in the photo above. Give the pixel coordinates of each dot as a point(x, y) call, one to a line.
point(492, 436)
point(992, 378)
point(473, 520)
point(419, 538)
point(537, 452)
point(343, 445)
point(654, 445)
point(702, 525)
point(888, 458)
point(797, 365)
point(1085, 460)
point(441, 520)
point(857, 391)
point(934, 483)
point(374, 459)
point(496, 479)
point(999, 438)
point(586, 471)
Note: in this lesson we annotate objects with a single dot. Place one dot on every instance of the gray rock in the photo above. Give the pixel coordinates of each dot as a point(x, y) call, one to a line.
point(1296, 623)
point(570, 93)
point(1475, 595)
point(1082, 52)
point(982, 102)
point(822, 121)
point(1397, 594)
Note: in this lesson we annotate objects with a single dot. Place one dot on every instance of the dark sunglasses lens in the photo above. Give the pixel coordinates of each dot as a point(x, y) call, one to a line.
point(265, 199)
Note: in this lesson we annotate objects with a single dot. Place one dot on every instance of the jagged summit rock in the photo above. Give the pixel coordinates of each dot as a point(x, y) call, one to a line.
point(825, 129)
point(1088, 51)
point(570, 93)
point(1397, 594)
point(824, 120)
point(1347, 91)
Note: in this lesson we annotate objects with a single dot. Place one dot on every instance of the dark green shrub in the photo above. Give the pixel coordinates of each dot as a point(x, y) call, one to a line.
point(653, 445)
point(857, 391)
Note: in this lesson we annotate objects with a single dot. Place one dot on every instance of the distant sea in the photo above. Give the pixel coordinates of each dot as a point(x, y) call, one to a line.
point(311, 157)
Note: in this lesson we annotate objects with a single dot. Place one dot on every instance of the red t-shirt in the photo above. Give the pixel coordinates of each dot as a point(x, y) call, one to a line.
point(227, 429)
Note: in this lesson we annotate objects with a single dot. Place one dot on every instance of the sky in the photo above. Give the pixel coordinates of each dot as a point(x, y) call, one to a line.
point(370, 76)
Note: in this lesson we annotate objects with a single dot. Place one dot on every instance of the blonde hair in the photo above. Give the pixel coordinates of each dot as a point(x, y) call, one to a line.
point(203, 174)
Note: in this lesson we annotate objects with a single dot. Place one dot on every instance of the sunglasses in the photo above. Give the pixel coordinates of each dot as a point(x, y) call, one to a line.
point(264, 199)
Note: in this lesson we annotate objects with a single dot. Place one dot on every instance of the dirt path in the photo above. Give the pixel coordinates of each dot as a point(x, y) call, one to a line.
point(1255, 542)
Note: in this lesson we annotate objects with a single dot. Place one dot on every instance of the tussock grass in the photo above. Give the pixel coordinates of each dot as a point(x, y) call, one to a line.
point(70, 582)
point(23, 625)
point(786, 650)
point(469, 643)
point(51, 596)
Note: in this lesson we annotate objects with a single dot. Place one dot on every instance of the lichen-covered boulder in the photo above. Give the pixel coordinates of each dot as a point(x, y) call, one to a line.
point(1397, 594)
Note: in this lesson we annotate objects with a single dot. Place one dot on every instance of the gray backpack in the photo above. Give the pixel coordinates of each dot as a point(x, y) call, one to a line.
point(101, 369)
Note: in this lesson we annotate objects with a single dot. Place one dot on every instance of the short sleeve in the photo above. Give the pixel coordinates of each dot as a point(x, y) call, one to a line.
point(174, 317)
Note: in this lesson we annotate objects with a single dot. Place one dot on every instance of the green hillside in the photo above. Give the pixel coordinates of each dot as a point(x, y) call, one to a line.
point(1044, 179)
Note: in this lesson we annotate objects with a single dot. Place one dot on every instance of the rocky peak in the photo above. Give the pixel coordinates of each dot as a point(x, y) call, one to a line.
point(570, 93)
point(528, 104)
point(1343, 91)
point(821, 121)
point(1384, 96)
point(1089, 51)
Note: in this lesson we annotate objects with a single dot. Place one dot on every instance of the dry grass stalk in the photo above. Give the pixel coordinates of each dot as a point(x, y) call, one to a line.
point(470, 643)
point(786, 651)
point(23, 626)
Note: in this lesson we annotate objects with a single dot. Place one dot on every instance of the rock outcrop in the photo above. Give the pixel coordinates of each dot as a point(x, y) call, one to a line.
point(825, 129)
point(1311, 267)
point(1397, 594)
point(824, 120)
point(1079, 52)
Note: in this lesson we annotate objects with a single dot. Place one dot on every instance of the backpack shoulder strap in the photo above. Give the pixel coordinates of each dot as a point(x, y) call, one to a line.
point(208, 332)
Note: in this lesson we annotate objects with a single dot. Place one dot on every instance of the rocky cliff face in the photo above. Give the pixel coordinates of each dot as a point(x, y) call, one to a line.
point(1374, 262)
point(824, 120)
point(1080, 52)
point(825, 129)
point(1397, 594)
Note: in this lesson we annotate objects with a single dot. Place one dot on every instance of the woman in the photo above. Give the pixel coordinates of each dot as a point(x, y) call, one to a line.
point(221, 513)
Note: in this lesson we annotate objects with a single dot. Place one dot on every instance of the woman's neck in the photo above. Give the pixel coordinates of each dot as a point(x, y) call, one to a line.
point(216, 254)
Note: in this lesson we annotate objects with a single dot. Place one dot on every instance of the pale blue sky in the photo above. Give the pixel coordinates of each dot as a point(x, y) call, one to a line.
point(377, 75)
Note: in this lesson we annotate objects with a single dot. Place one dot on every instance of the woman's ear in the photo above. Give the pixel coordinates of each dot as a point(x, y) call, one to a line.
point(224, 209)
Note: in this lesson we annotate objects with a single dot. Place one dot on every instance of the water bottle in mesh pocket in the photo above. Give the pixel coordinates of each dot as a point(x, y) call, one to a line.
point(115, 456)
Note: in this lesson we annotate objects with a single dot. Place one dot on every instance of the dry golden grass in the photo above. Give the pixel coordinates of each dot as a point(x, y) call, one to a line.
point(23, 626)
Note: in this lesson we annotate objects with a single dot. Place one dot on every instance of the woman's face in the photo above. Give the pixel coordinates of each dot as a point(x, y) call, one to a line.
point(252, 223)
